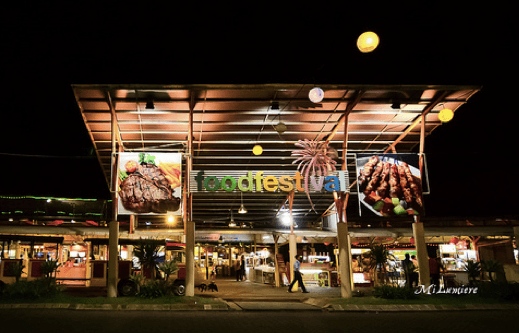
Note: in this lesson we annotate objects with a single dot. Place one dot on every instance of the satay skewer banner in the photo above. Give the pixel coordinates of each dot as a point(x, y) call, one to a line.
point(150, 183)
point(390, 185)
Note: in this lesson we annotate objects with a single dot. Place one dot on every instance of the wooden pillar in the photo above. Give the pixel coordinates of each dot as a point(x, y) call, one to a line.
point(276, 266)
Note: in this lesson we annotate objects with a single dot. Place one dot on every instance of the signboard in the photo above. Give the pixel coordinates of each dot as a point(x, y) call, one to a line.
point(389, 185)
point(265, 181)
point(224, 238)
point(150, 183)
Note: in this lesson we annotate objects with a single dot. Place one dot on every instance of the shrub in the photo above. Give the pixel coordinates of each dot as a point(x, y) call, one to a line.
point(499, 290)
point(31, 289)
point(152, 289)
point(393, 292)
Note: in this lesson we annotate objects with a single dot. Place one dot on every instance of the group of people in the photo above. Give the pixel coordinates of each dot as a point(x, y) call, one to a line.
point(410, 265)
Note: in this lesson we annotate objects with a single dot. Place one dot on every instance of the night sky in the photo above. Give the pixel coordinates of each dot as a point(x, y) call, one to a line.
point(45, 148)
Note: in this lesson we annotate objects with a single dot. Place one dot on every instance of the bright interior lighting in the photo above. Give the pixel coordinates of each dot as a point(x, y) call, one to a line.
point(285, 219)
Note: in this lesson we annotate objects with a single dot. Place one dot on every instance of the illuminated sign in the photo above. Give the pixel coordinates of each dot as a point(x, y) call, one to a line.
point(261, 181)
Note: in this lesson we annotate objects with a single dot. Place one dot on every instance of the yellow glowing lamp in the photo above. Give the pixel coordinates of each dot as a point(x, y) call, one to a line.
point(445, 115)
point(367, 42)
point(257, 150)
point(170, 218)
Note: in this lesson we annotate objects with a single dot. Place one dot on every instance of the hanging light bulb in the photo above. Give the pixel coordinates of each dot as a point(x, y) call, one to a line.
point(316, 95)
point(257, 150)
point(367, 42)
point(446, 115)
point(242, 209)
point(231, 222)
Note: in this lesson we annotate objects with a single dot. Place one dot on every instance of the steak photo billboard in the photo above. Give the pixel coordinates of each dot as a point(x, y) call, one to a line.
point(150, 183)
point(390, 184)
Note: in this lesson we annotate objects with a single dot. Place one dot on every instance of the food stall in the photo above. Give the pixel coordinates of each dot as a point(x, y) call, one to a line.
point(261, 267)
point(318, 270)
point(454, 259)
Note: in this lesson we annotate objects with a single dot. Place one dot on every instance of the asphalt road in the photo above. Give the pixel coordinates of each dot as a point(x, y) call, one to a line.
point(48, 320)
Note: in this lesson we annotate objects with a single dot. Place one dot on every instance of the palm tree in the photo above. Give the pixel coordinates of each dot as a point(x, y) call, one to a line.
point(474, 270)
point(378, 256)
point(168, 267)
point(147, 253)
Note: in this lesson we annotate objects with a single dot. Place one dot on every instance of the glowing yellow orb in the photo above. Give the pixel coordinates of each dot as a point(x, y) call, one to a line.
point(368, 41)
point(257, 150)
point(446, 115)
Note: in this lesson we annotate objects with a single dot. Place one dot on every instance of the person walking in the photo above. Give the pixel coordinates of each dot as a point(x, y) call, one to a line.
point(297, 275)
point(242, 269)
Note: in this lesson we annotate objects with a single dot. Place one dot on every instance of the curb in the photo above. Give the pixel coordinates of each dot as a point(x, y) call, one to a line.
point(418, 307)
point(119, 307)
point(232, 306)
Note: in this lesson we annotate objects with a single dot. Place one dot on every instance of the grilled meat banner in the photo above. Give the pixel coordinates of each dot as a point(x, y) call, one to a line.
point(149, 183)
point(389, 185)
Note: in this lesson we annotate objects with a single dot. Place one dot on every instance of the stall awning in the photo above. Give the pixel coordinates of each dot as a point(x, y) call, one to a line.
point(229, 120)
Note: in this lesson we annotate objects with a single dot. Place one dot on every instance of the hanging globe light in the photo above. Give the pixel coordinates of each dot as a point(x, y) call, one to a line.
point(257, 150)
point(316, 95)
point(367, 41)
point(446, 115)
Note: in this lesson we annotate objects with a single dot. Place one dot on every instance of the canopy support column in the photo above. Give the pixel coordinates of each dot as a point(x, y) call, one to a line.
point(189, 225)
point(421, 253)
point(113, 231)
point(418, 229)
point(292, 242)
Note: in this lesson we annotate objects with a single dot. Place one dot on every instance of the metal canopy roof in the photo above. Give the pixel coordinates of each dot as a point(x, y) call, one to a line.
point(228, 120)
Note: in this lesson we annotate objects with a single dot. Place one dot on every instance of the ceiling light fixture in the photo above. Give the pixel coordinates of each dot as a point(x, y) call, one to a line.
point(170, 218)
point(395, 106)
point(149, 104)
point(231, 222)
point(242, 209)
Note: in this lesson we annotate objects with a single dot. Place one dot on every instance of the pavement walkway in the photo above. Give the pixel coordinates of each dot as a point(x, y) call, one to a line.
point(249, 296)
